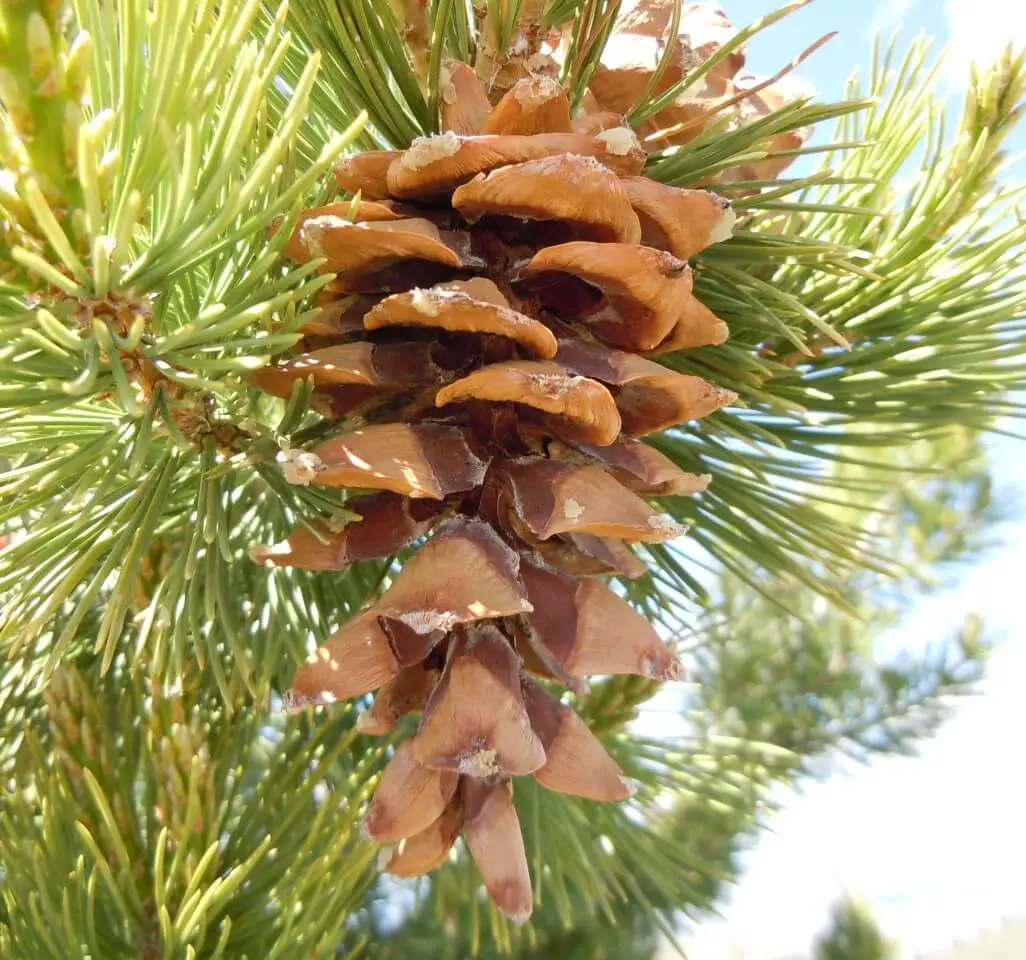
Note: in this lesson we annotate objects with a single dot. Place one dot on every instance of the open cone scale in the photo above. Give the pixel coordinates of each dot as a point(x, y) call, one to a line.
point(496, 289)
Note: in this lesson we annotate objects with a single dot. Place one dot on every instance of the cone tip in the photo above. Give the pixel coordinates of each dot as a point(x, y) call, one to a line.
point(514, 899)
point(660, 663)
point(520, 917)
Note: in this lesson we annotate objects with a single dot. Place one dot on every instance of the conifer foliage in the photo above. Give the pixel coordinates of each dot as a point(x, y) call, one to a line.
point(853, 935)
point(350, 348)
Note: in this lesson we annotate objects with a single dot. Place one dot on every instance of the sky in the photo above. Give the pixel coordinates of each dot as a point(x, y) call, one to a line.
point(935, 844)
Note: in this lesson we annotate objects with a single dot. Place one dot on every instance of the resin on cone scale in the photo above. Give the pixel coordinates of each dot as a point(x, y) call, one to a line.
point(481, 342)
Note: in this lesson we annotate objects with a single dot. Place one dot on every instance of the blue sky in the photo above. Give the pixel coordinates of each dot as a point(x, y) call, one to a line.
point(936, 843)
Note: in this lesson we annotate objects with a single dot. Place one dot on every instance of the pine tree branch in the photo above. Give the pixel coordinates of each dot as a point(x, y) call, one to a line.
point(142, 283)
point(171, 824)
point(902, 317)
point(812, 684)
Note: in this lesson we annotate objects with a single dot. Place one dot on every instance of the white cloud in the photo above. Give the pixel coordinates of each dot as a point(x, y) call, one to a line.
point(979, 31)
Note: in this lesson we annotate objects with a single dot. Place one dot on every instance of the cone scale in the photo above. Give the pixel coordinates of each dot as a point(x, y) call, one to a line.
point(497, 288)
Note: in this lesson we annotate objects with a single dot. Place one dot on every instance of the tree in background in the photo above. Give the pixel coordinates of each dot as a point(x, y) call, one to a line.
point(853, 935)
point(193, 368)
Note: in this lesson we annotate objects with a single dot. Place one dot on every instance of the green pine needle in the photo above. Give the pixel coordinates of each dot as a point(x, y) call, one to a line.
point(155, 801)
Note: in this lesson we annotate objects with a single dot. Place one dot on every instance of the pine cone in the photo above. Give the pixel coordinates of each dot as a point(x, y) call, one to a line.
point(493, 296)
point(636, 47)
